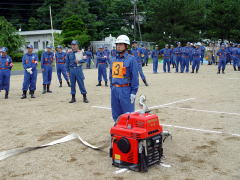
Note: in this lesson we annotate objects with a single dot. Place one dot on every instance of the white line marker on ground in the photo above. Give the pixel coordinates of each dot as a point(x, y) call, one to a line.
point(121, 171)
point(200, 110)
point(161, 105)
point(201, 130)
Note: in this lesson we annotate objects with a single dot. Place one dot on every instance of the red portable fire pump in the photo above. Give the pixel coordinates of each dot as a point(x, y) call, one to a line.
point(136, 140)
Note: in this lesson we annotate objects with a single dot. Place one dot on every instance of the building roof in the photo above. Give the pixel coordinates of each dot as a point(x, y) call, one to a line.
point(39, 32)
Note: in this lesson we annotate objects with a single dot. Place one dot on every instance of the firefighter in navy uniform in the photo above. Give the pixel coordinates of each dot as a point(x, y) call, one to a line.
point(61, 67)
point(46, 65)
point(74, 61)
point(5, 71)
point(123, 79)
point(29, 62)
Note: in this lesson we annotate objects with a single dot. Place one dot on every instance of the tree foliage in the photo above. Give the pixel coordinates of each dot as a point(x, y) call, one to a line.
point(9, 38)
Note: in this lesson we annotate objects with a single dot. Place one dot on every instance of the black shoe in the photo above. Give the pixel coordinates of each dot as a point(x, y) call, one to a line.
point(6, 95)
point(238, 68)
point(60, 82)
point(32, 94)
point(106, 84)
point(24, 95)
point(192, 71)
point(48, 88)
point(145, 82)
point(44, 89)
point(73, 100)
point(99, 83)
point(197, 71)
point(68, 83)
point(218, 72)
point(235, 69)
point(223, 72)
point(85, 100)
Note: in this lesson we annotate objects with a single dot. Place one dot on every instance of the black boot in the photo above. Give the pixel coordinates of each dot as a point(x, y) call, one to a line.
point(24, 95)
point(44, 89)
point(48, 88)
point(196, 70)
point(106, 84)
point(68, 83)
point(99, 83)
point(193, 71)
point(238, 68)
point(73, 100)
point(223, 71)
point(85, 100)
point(234, 68)
point(60, 83)
point(6, 95)
point(145, 82)
point(218, 71)
point(32, 94)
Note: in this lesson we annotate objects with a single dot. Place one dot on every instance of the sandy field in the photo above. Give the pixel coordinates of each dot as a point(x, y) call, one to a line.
point(192, 154)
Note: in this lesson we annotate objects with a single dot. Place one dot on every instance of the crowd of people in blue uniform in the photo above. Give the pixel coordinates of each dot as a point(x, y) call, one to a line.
point(125, 66)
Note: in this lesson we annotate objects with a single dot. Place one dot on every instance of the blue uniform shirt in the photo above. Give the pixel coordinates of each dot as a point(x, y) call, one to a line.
point(114, 53)
point(47, 58)
point(136, 52)
point(61, 57)
point(30, 61)
point(177, 51)
point(71, 61)
point(166, 53)
point(155, 53)
point(5, 62)
point(196, 53)
point(222, 53)
point(89, 54)
point(124, 70)
point(100, 57)
point(186, 52)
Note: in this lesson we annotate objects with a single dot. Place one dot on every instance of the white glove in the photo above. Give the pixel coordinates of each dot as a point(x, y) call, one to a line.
point(84, 57)
point(105, 56)
point(132, 98)
point(29, 70)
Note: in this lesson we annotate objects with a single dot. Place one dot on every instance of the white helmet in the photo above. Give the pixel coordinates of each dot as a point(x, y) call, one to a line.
point(198, 44)
point(123, 39)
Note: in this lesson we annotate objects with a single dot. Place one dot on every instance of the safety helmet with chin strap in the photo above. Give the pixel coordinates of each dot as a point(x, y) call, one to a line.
point(123, 39)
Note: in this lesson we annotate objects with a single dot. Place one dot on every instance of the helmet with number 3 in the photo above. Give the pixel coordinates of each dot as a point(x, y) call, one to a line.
point(123, 39)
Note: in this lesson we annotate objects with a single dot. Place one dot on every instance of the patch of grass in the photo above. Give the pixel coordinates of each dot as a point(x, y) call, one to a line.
point(17, 66)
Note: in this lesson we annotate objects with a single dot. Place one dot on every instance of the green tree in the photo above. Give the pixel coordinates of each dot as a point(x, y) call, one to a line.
point(33, 24)
point(74, 28)
point(223, 20)
point(9, 38)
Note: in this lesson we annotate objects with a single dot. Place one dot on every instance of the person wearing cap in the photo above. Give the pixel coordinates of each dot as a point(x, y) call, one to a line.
point(177, 55)
point(5, 71)
point(222, 53)
point(29, 63)
point(202, 52)
point(113, 52)
point(196, 56)
point(238, 59)
point(74, 61)
point(46, 65)
point(101, 64)
point(166, 53)
point(154, 56)
point(136, 52)
point(143, 52)
point(234, 57)
point(107, 53)
point(186, 55)
point(89, 55)
point(61, 68)
point(172, 60)
point(123, 79)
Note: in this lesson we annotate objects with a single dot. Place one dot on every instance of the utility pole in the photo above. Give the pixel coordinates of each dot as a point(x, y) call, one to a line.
point(136, 20)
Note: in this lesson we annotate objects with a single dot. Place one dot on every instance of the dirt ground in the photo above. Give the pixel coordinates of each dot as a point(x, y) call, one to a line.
point(191, 154)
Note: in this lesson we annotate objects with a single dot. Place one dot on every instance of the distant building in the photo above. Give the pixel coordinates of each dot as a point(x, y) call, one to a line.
point(107, 42)
point(38, 38)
